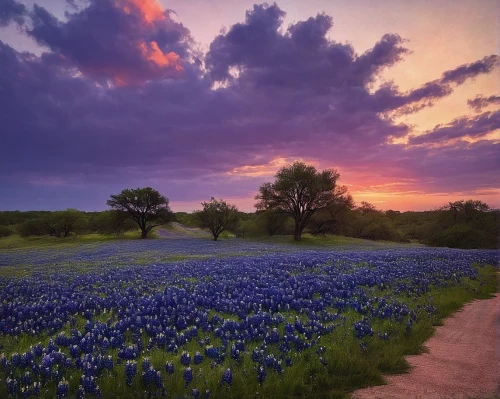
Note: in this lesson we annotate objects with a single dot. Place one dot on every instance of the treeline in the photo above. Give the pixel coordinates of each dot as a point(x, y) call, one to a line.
point(66, 223)
point(301, 199)
point(456, 225)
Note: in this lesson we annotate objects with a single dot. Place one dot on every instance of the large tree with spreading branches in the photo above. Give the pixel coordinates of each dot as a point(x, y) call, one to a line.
point(146, 206)
point(299, 190)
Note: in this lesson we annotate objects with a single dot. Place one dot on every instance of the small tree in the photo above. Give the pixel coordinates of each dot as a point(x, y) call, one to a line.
point(469, 209)
point(32, 227)
point(113, 222)
point(62, 223)
point(146, 206)
point(217, 216)
point(299, 191)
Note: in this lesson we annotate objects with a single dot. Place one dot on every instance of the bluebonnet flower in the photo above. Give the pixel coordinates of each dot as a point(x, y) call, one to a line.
point(74, 351)
point(130, 371)
point(198, 358)
point(12, 386)
point(227, 377)
point(62, 389)
point(169, 367)
point(36, 388)
point(185, 358)
point(188, 376)
point(261, 374)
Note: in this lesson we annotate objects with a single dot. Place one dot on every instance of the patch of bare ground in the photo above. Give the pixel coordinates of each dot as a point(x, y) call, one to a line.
point(463, 359)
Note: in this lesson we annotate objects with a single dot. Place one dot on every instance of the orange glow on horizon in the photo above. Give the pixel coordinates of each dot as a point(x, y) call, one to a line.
point(400, 194)
point(268, 169)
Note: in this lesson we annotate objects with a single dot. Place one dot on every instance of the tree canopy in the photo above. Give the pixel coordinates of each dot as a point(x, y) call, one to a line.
point(146, 206)
point(299, 190)
point(217, 216)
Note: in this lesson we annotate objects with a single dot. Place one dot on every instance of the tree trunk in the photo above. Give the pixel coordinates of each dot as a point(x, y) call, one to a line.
point(298, 232)
point(144, 234)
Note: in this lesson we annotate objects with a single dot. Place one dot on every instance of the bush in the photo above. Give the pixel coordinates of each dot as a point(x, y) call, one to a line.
point(34, 227)
point(463, 236)
point(113, 222)
point(6, 231)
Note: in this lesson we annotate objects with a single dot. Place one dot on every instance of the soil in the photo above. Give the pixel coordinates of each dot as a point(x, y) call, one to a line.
point(463, 359)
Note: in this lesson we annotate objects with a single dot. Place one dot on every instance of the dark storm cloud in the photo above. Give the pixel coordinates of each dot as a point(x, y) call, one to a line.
point(480, 102)
point(11, 10)
point(265, 93)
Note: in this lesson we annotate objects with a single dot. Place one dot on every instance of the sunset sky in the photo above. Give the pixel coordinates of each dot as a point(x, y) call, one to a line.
point(209, 98)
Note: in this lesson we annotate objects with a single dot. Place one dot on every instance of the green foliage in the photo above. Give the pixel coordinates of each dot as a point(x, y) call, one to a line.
point(146, 206)
point(30, 228)
point(272, 222)
point(112, 222)
point(63, 223)
point(462, 235)
point(186, 219)
point(58, 224)
point(10, 218)
point(299, 190)
point(217, 216)
point(466, 224)
point(333, 219)
point(6, 231)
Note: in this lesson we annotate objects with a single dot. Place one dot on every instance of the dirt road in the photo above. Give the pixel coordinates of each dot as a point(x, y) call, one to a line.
point(463, 360)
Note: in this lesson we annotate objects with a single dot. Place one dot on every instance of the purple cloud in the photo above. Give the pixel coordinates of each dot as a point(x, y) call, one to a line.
point(117, 40)
point(302, 57)
point(466, 127)
point(11, 10)
point(263, 93)
point(480, 102)
point(460, 74)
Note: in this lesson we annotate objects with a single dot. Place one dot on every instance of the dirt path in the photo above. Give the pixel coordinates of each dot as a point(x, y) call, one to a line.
point(463, 359)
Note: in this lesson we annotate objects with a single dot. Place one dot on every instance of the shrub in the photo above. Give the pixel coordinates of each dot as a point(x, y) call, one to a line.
point(6, 231)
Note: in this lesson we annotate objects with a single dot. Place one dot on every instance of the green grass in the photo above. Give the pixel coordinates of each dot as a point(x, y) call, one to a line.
point(17, 242)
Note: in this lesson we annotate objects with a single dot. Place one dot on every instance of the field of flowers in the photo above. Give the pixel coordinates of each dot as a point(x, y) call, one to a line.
point(197, 319)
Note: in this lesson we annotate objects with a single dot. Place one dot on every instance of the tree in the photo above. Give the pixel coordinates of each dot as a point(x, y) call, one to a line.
point(113, 222)
point(146, 206)
point(217, 216)
point(299, 191)
point(272, 221)
point(62, 223)
point(332, 218)
point(32, 227)
point(469, 209)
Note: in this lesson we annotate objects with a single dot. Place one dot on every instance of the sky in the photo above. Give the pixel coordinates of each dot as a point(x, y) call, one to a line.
point(202, 99)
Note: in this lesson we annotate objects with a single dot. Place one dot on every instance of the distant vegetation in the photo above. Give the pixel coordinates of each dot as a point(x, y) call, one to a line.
point(445, 227)
point(300, 200)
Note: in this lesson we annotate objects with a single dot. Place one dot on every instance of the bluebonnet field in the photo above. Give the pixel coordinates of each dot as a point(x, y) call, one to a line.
point(198, 319)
